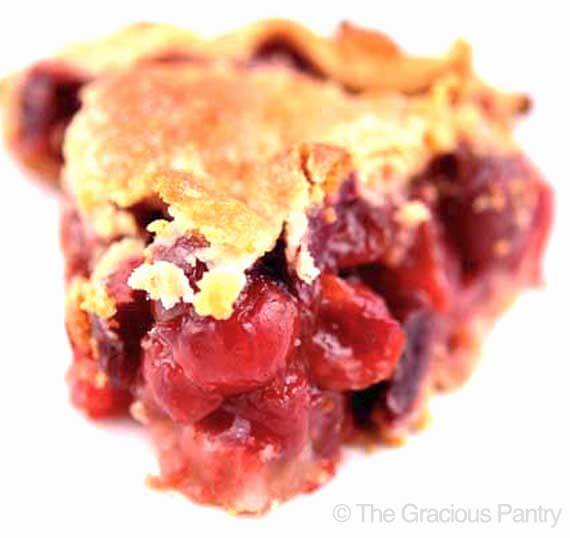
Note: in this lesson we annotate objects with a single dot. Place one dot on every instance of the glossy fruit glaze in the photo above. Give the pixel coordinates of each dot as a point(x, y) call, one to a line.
point(256, 407)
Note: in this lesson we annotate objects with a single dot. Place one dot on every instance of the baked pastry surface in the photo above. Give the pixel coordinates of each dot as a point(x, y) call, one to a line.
point(276, 242)
point(40, 101)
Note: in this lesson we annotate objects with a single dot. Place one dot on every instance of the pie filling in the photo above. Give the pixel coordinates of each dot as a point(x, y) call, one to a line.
point(256, 407)
point(48, 100)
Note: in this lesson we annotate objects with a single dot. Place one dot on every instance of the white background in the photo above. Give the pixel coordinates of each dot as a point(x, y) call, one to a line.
point(501, 439)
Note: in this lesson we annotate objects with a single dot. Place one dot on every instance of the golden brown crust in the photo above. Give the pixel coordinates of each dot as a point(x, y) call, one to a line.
point(225, 123)
point(360, 60)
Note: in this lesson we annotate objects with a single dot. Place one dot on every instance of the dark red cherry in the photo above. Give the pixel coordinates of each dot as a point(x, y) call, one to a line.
point(240, 353)
point(171, 389)
point(280, 408)
point(355, 341)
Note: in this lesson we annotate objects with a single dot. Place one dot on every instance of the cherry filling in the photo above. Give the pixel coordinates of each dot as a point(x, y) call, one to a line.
point(443, 269)
point(76, 244)
point(428, 274)
point(399, 395)
point(488, 205)
point(279, 409)
point(49, 99)
point(357, 233)
point(355, 342)
point(273, 390)
point(235, 355)
point(95, 397)
point(175, 394)
point(327, 422)
point(258, 446)
point(118, 339)
point(539, 233)
point(393, 399)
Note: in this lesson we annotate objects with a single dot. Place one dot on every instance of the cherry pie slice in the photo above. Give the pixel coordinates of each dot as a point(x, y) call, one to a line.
point(276, 243)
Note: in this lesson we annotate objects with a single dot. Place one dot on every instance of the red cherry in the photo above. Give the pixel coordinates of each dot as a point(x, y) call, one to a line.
point(244, 351)
point(280, 408)
point(427, 269)
point(355, 342)
point(171, 389)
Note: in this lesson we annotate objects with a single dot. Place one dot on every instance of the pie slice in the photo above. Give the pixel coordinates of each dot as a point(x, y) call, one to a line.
point(270, 251)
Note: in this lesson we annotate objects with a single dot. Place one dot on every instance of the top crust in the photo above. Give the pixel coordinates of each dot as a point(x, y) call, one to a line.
point(360, 59)
point(357, 59)
point(257, 137)
point(240, 156)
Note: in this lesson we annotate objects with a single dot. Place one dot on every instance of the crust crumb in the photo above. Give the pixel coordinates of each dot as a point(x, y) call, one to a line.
point(412, 214)
point(96, 300)
point(109, 222)
point(305, 266)
point(138, 412)
point(162, 281)
point(115, 255)
point(219, 289)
